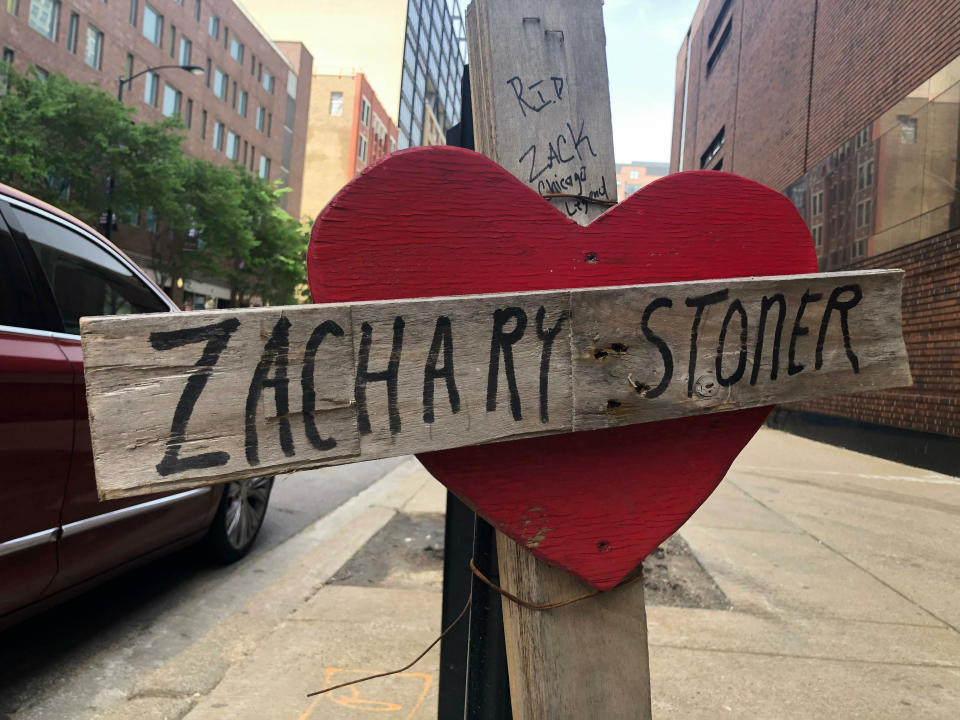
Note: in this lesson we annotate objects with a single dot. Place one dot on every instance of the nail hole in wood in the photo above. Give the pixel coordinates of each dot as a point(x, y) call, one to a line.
point(600, 354)
point(603, 546)
point(591, 257)
point(619, 348)
point(613, 404)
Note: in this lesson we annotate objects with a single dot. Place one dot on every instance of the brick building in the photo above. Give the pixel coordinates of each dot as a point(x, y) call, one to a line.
point(249, 103)
point(349, 130)
point(633, 176)
point(852, 109)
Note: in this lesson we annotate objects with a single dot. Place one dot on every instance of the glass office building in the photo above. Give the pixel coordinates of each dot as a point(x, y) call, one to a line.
point(433, 57)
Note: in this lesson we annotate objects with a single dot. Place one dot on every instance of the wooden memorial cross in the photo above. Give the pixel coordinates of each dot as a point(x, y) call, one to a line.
point(583, 387)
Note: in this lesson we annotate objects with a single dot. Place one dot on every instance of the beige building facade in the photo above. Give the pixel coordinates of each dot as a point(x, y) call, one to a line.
point(349, 129)
point(363, 34)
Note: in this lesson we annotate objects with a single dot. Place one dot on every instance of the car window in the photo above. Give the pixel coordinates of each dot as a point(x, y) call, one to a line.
point(18, 306)
point(85, 279)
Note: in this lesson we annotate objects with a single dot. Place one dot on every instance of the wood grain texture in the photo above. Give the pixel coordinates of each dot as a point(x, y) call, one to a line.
point(445, 372)
point(540, 97)
point(588, 659)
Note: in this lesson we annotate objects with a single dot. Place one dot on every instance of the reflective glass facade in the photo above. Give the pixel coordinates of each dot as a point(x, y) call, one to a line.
point(433, 57)
point(895, 182)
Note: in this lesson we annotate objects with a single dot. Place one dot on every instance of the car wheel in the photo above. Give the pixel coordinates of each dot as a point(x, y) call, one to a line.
point(239, 517)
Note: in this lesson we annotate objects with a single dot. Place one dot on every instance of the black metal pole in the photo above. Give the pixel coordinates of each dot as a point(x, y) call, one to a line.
point(473, 681)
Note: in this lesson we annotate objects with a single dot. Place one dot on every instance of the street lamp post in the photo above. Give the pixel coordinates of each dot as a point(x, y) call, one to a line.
point(121, 82)
point(195, 69)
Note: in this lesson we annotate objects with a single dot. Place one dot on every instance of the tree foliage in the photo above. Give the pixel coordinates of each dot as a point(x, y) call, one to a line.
point(63, 142)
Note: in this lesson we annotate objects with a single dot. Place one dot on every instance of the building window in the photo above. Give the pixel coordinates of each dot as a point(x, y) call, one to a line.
point(859, 249)
point(908, 129)
point(292, 84)
point(718, 22)
point(13, 7)
point(152, 25)
point(362, 148)
point(634, 174)
point(171, 100)
point(73, 32)
point(196, 10)
point(44, 17)
point(236, 50)
point(186, 50)
point(261, 117)
point(721, 44)
point(218, 136)
point(233, 145)
point(393, 144)
point(863, 213)
point(151, 89)
point(817, 203)
point(336, 103)
point(865, 175)
point(713, 148)
point(213, 27)
point(221, 84)
point(242, 104)
point(189, 116)
point(269, 124)
point(268, 82)
point(364, 112)
point(203, 125)
point(93, 53)
point(208, 73)
point(817, 233)
point(264, 172)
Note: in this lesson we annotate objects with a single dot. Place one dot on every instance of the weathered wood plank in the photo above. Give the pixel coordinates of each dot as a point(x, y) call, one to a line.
point(194, 398)
point(541, 99)
point(583, 660)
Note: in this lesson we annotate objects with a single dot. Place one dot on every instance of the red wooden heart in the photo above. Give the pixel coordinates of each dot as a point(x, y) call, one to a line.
point(446, 221)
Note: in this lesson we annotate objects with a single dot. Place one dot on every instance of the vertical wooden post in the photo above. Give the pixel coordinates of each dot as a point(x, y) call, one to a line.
point(541, 109)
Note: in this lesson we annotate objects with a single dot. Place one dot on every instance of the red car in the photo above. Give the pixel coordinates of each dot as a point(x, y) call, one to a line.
point(56, 537)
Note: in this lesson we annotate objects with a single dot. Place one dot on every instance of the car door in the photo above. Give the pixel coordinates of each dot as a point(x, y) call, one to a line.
point(36, 433)
point(86, 277)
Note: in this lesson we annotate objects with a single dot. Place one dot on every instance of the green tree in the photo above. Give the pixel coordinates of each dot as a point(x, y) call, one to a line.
point(63, 141)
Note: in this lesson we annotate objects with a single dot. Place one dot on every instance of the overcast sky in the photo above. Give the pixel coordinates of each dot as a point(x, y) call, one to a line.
point(643, 38)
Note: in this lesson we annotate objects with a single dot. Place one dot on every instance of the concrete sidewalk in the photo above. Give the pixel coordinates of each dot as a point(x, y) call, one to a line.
point(844, 575)
point(842, 571)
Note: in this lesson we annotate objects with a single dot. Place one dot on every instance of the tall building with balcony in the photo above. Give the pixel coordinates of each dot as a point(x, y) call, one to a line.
point(852, 109)
point(249, 104)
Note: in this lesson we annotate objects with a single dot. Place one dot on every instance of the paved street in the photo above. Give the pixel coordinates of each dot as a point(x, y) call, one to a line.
point(87, 655)
point(837, 573)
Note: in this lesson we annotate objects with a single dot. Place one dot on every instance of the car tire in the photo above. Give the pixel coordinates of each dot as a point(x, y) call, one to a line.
point(238, 519)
